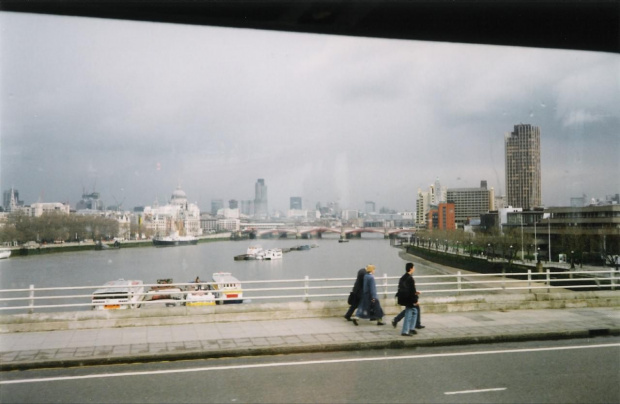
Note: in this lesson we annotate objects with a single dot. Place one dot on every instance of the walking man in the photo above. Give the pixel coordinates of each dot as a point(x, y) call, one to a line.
point(408, 297)
point(356, 294)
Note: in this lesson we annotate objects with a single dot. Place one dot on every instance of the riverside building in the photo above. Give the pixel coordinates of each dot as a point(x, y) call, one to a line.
point(470, 203)
point(177, 216)
point(523, 176)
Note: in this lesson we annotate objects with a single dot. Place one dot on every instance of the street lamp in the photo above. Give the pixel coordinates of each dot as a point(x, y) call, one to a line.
point(572, 261)
point(522, 256)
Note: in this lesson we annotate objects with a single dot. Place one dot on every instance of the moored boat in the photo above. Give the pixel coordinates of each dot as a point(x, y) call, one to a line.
point(270, 254)
point(165, 293)
point(199, 294)
point(118, 294)
point(227, 288)
point(174, 240)
point(5, 253)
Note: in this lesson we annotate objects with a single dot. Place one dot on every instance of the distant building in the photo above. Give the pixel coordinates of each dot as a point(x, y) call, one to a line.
point(523, 174)
point(247, 207)
point(297, 214)
point(177, 216)
point(438, 193)
point(261, 208)
point(90, 201)
point(40, 208)
point(295, 203)
point(233, 204)
point(349, 214)
point(470, 203)
point(10, 200)
point(228, 224)
point(579, 202)
point(500, 201)
point(216, 204)
point(442, 217)
point(422, 207)
point(369, 207)
point(208, 223)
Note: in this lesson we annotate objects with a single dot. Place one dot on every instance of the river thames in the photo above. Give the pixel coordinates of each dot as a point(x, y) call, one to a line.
point(328, 259)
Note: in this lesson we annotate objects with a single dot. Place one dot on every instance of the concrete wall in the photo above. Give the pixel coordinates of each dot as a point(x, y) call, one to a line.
point(269, 311)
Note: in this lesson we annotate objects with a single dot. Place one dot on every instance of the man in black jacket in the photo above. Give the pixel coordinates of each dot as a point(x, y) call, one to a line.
point(356, 294)
point(408, 297)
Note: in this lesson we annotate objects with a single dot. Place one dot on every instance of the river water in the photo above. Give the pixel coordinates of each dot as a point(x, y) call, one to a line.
point(328, 259)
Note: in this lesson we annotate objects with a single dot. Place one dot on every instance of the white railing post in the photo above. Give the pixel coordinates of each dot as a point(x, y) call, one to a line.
point(529, 280)
point(548, 281)
point(385, 286)
point(612, 278)
point(31, 304)
point(458, 283)
point(306, 286)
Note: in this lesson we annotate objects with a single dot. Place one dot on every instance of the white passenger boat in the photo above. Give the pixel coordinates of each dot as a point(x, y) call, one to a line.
point(270, 254)
point(227, 288)
point(119, 294)
point(254, 250)
point(5, 253)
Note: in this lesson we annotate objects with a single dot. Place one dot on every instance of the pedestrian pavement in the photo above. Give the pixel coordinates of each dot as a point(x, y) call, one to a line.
point(67, 348)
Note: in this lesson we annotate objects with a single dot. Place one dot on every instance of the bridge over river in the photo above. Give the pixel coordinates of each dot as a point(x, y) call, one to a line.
point(277, 230)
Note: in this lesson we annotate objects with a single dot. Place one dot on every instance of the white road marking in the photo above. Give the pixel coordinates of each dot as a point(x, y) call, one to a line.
point(474, 391)
point(306, 363)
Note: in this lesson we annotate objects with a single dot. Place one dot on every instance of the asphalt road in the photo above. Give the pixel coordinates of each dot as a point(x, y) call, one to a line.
point(567, 371)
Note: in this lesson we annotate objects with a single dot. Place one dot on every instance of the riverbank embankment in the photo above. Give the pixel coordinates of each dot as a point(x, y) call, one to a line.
point(39, 249)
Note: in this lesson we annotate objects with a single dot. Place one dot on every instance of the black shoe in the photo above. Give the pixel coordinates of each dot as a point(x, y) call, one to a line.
point(394, 323)
point(406, 335)
point(348, 318)
point(380, 323)
point(419, 327)
point(413, 332)
point(355, 321)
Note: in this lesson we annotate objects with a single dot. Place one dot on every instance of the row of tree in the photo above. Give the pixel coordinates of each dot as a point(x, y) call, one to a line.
point(56, 227)
point(576, 246)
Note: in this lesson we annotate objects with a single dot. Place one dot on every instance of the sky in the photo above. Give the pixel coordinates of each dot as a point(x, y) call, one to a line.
point(134, 109)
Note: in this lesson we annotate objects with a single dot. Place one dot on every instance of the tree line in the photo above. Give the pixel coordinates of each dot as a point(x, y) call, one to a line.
point(56, 227)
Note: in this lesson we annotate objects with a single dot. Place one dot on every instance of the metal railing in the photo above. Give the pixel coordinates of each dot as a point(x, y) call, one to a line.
point(53, 298)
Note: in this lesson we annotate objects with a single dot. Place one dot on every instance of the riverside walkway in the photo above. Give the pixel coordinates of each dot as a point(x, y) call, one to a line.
point(65, 348)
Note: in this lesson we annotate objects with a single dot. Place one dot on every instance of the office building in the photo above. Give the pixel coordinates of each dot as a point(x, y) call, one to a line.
point(369, 207)
point(422, 207)
point(523, 176)
point(261, 208)
point(295, 203)
point(442, 217)
point(470, 203)
point(216, 204)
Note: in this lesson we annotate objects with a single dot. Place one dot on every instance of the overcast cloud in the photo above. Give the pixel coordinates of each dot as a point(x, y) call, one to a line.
point(132, 109)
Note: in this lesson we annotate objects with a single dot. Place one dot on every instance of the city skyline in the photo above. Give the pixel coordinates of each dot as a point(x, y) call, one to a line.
point(132, 110)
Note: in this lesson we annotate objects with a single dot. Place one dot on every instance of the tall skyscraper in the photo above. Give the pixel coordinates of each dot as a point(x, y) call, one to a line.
point(296, 202)
point(260, 199)
point(523, 177)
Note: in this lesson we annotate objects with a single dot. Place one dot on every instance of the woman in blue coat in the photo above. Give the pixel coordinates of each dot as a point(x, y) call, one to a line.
point(370, 307)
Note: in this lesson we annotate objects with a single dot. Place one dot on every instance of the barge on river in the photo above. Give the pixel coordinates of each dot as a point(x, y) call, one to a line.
point(118, 294)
